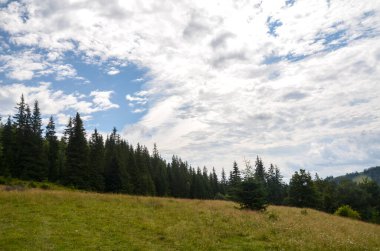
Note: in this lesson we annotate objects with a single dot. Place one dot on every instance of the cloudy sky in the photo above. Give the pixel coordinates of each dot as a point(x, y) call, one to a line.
point(294, 81)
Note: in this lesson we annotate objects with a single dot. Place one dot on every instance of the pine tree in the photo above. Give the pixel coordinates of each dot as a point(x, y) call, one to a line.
point(259, 170)
point(159, 173)
point(234, 181)
point(144, 184)
point(24, 161)
point(77, 171)
point(223, 183)
point(250, 194)
point(235, 177)
point(8, 150)
point(52, 151)
point(214, 183)
point(117, 178)
point(37, 168)
point(302, 192)
point(275, 186)
point(96, 161)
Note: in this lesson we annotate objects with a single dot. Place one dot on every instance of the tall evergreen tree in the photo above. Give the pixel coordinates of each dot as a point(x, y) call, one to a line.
point(144, 184)
point(8, 149)
point(234, 181)
point(77, 171)
point(24, 162)
point(37, 168)
point(235, 177)
point(159, 173)
point(96, 161)
point(117, 178)
point(259, 170)
point(223, 183)
point(275, 187)
point(302, 192)
point(52, 150)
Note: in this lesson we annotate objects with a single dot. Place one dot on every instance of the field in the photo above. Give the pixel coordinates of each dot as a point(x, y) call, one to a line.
point(36, 219)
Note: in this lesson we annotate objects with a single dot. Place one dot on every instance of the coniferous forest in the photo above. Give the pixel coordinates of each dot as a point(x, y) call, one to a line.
point(32, 151)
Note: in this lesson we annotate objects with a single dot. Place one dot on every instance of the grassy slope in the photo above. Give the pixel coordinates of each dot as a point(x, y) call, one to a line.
point(70, 220)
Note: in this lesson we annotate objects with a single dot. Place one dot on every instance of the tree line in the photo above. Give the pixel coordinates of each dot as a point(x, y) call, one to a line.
point(111, 164)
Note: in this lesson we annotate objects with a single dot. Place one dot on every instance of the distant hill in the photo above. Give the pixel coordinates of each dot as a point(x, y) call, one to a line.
point(372, 173)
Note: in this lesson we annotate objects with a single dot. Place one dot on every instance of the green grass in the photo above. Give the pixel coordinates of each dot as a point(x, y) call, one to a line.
point(36, 219)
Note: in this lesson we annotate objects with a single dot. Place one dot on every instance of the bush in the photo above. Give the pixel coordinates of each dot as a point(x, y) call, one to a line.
point(304, 212)
point(347, 211)
point(32, 185)
point(45, 186)
point(272, 216)
point(3, 180)
point(220, 196)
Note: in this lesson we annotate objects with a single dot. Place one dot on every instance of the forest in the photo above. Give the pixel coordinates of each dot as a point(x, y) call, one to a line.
point(32, 151)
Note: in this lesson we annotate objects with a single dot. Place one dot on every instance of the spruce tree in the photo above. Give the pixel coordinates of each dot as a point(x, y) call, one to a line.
point(235, 177)
point(250, 194)
point(8, 151)
point(77, 171)
point(259, 170)
point(21, 140)
point(116, 175)
point(302, 192)
point(159, 173)
point(52, 150)
point(96, 161)
point(37, 168)
point(223, 183)
point(234, 181)
point(275, 185)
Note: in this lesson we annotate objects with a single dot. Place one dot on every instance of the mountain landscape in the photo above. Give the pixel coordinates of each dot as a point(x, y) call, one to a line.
point(189, 125)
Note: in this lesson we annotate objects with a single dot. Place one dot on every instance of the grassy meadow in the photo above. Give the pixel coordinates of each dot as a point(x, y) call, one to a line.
point(37, 219)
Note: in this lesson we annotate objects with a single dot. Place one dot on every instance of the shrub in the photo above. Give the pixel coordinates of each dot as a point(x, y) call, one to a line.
point(347, 211)
point(32, 185)
point(45, 186)
point(3, 180)
point(272, 216)
point(220, 196)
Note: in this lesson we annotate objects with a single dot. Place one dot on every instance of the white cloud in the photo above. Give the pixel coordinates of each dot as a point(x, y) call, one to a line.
point(139, 110)
point(102, 100)
point(25, 65)
point(209, 97)
point(53, 102)
point(113, 71)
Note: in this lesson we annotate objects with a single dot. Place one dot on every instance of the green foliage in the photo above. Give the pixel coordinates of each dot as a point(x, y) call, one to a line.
point(77, 171)
point(113, 165)
point(52, 151)
point(3, 180)
point(372, 173)
point(45, 186)
point(302, 192)
point(250, 194)
point(347, 211)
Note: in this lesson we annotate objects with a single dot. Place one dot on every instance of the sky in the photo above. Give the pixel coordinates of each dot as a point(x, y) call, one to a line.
point(293, 81)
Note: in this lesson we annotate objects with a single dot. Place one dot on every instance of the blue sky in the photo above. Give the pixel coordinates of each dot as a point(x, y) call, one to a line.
point(295, 82)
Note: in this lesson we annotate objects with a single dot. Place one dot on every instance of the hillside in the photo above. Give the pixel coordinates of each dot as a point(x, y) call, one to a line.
point(36, 219)
point(372, 173)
